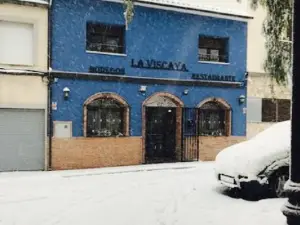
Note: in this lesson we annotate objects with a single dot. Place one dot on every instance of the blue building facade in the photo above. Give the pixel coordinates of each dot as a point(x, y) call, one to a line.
point(170, 56)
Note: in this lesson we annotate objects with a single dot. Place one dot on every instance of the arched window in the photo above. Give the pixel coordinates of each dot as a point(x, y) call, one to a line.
point(214, 119)
point(106, 117)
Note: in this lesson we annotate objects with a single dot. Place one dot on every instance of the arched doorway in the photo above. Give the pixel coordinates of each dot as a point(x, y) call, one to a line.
point(162, 119)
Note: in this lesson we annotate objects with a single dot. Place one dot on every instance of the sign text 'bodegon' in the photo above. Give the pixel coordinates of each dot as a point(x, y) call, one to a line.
point(213, 77)
point(158, 65)
point(106, 70)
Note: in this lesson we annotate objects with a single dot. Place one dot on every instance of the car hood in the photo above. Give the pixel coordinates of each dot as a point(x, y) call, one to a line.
point(250, 157)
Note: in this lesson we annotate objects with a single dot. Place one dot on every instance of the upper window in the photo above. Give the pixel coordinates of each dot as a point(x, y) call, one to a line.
point(276, 110)
point(105, 38)
point(213, 49)
point(105, 118)
point(213, 119)
point(16, 43)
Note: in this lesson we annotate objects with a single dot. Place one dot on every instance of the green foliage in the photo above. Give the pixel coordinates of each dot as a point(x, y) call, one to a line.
point(129, 12)
point(276, 28)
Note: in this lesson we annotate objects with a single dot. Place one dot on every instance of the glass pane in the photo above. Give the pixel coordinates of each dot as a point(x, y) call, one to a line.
point(203, 54)
point(214, 54)
point(111, 44)
point(203, 51)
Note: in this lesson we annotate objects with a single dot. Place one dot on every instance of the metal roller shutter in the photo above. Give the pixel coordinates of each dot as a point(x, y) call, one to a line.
point(22, 139)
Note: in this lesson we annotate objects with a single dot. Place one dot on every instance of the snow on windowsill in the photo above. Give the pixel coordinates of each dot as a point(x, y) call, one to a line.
point(3, 70)
point(35, 1)
point(213, 62)
point(106, 53)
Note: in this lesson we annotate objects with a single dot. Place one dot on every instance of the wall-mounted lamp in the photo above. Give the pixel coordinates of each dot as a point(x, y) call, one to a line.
point(66, 91)
point(242, 99)
point(186, 91)
point(143, 89)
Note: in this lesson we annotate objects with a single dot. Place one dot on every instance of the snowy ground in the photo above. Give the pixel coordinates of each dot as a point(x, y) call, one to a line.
point(180, 194)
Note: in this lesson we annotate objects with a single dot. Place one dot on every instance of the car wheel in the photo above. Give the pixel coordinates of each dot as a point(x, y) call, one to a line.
point(277, 183)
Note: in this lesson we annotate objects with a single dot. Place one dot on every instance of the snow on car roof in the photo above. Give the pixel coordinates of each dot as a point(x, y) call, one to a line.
point(281, 130)
point(251, 157)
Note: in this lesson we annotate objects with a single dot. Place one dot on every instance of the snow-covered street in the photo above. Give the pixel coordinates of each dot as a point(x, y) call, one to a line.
point(181, 194)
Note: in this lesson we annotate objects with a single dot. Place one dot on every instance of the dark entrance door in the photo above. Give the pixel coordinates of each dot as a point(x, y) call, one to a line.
point(160, 134)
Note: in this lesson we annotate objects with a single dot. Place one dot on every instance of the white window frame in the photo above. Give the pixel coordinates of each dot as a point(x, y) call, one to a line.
point(34, 23)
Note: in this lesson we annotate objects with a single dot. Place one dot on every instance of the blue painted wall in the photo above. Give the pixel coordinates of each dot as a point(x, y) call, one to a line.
point(153, 34)
point(72, 109)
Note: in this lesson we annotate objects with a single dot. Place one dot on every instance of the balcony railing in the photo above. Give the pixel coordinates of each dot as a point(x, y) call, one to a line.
point(213, 58)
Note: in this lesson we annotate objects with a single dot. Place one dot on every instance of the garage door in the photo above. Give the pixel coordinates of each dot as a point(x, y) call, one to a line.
point(22, 139)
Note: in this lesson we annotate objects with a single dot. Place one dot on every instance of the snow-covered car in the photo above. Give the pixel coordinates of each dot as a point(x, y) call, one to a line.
point(258, 165)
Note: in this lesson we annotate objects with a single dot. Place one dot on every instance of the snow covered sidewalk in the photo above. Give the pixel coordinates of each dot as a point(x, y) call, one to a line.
point(181, 194)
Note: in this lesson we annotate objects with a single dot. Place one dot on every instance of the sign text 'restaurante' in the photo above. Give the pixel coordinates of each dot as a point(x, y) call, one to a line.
point(158, 65)
point(213, 77)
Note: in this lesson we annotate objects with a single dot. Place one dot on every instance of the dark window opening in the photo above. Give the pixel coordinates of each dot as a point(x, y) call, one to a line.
point(275, 110)
point(105, 118)
point(213, 49)
point(212, 119)
point(105, 38)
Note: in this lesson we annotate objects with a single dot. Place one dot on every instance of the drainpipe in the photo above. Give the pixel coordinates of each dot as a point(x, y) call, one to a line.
point(245, 107)
point(50, 81)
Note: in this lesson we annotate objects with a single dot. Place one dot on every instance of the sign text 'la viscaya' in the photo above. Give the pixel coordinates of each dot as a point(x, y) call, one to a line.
point(158, 65)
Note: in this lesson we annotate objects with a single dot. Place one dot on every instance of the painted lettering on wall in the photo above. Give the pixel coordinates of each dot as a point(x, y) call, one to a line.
point(107, 70)
point(158, 65)
point(213, 77)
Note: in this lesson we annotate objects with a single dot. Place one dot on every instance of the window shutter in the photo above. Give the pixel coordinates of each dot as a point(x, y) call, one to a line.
point(16, 43)
point(269, 109)
point(284, 112)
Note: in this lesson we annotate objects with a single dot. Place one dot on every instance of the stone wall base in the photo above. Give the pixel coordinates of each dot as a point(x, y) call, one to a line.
point(255, 128)
point(79, 153)
point(209, 147)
